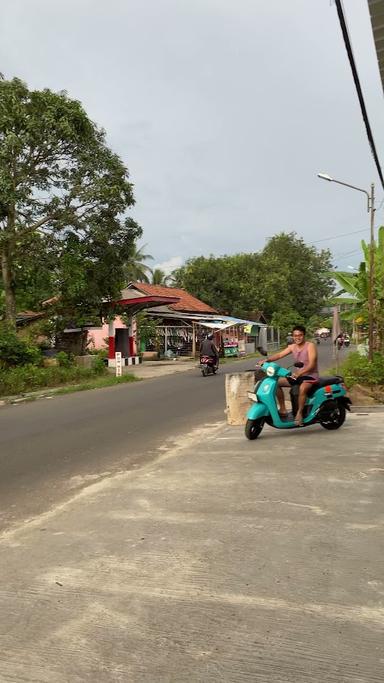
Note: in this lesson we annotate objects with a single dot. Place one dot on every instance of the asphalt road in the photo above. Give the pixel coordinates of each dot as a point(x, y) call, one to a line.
point(49, 449)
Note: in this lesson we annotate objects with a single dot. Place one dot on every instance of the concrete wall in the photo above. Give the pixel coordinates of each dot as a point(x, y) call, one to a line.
point(99, 336)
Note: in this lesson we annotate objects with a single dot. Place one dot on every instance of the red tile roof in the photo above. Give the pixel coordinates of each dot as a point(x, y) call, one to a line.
point(187, 303)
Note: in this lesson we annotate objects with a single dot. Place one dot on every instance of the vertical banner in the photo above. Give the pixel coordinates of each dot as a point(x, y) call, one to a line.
point(263, 339)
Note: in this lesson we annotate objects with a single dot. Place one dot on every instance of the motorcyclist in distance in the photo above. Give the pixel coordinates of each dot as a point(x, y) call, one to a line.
point(208, 348)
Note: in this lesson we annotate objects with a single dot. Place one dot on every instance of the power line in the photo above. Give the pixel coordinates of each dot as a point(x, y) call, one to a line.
point(348, 46)
point(336, 237)
point(342, 256)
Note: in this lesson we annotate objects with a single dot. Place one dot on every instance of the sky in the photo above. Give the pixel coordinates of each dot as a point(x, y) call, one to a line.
point(222, 111)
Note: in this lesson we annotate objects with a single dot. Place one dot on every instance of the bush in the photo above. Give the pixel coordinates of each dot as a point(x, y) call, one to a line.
point(15, 351)
point(358, 369)
point(99, 365)
point(26, 378)
point(64, 359)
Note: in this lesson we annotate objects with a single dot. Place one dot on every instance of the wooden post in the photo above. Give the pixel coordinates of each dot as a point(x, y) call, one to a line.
point(193, 340)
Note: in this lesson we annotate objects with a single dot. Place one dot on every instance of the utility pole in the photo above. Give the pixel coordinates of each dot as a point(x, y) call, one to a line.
point(371, 288)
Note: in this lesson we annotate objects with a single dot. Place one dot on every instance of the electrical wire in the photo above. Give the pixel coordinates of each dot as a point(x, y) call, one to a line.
point(348, 46)
point(336, 237)
point(344, 255)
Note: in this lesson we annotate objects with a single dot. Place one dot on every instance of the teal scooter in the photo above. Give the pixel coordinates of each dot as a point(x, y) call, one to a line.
point(326, 403)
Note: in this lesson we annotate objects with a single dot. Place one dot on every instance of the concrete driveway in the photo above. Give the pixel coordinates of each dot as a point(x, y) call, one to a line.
point(221, 560)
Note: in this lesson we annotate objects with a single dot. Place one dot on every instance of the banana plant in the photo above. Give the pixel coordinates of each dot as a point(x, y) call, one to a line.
point(354, 288)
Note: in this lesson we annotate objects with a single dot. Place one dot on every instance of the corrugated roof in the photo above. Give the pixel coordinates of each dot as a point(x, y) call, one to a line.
point(187, 302)
point(376, 10)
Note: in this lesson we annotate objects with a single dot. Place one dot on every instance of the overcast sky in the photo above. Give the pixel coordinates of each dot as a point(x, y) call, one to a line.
point(222, 111)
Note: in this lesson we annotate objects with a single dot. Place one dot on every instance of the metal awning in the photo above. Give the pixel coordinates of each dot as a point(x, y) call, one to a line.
point(376, 10)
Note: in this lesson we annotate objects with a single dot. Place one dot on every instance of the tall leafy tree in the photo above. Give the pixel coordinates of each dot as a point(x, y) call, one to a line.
point(306, 287)
point(63, 197)
point(286, 275)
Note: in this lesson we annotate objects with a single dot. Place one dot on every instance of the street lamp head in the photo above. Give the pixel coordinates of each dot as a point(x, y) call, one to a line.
point(325, 176)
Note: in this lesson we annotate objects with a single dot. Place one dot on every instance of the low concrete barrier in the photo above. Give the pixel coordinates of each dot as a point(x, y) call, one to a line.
point(237, 384)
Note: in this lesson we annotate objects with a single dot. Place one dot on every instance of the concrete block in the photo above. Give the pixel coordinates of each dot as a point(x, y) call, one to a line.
point(237, 384)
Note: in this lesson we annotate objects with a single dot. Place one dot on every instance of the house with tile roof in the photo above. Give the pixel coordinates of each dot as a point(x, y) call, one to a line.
point(178, 323)
point(182, 321)
point(186, 302)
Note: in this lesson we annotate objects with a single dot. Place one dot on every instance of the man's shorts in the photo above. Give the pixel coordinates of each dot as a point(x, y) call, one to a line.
point(304, 378)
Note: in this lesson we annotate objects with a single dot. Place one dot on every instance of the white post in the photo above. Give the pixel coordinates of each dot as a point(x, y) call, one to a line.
point(118, 364)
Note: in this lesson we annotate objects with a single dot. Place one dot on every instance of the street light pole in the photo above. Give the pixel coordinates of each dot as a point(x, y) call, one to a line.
point(371, 280)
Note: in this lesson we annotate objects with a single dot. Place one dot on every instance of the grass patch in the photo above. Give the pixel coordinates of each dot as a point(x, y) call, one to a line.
point(29, 378)
point(98, 383)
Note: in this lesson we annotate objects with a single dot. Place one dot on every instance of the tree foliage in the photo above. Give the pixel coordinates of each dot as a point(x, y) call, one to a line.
point(63, 202)
point(286, 275)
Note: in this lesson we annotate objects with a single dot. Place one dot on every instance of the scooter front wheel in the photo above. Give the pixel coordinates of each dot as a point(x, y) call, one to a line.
point(253, 428)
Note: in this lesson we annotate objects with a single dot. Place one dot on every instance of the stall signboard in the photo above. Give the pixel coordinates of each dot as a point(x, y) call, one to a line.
point(231, 348)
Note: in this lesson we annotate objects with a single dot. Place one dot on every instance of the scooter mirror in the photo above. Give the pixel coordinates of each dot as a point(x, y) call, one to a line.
point(262, 351)
point(299, 364)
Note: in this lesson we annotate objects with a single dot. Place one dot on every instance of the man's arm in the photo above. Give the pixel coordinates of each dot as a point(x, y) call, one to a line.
point(312, 359)
point(281, 354)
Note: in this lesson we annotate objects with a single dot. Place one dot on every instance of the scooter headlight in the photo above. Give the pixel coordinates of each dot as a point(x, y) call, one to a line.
point(270, 371)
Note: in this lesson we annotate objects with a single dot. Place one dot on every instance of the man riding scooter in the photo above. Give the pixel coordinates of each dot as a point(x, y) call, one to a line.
point(303, 352)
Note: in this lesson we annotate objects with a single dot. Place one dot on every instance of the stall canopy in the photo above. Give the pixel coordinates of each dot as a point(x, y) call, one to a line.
point(221, 323)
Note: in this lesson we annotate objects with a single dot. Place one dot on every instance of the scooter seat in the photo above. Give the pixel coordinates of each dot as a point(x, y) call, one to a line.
point(324, 382)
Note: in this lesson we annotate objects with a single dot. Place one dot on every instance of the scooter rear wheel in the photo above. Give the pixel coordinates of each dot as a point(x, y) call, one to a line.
point(253, 428)
point(336, 418)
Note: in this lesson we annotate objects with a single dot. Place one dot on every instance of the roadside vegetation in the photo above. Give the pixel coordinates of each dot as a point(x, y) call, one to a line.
point(357, 369)
point(24, 368)
point(28, 378)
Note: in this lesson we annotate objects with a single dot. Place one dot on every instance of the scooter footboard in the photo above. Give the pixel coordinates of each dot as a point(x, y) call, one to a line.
point(256, 411)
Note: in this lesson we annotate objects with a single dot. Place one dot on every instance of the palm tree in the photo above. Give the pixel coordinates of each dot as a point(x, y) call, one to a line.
point(160, 278)
point(135, 269)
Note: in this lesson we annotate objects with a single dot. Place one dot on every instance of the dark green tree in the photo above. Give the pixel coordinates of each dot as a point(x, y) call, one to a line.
point(306, 286)
point(63, 200)
point(287, 275)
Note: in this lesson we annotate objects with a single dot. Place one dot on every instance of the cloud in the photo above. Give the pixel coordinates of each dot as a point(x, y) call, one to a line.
point(222, 115)
point(170, 265)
